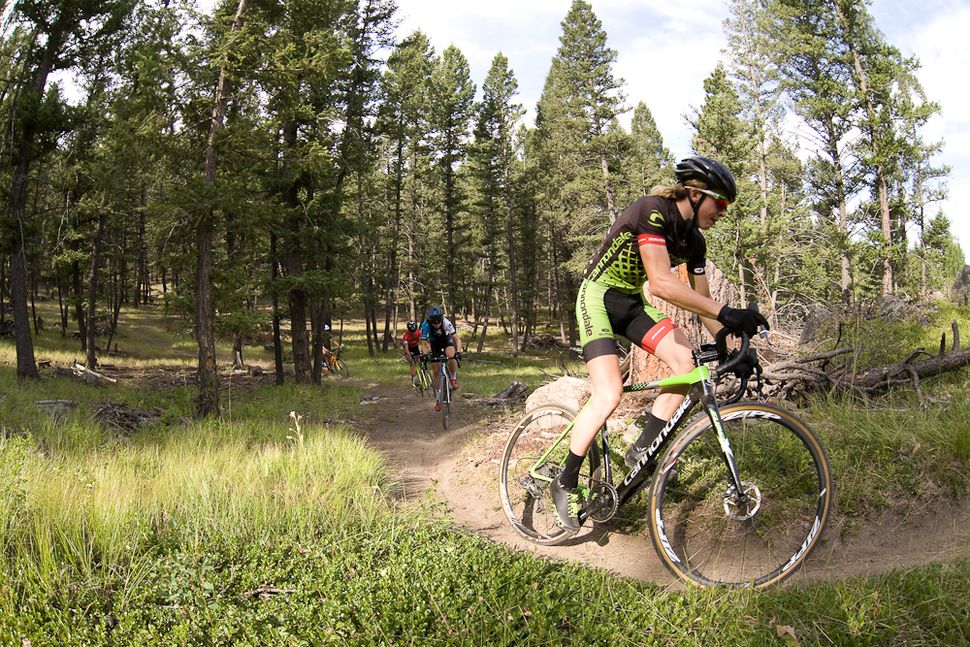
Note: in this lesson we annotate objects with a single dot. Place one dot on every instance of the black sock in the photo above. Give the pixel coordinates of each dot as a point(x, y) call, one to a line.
point(650, 431)
point(569, 478)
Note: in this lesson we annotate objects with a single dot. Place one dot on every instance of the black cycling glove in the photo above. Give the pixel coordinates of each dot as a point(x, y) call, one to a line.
point(742, 320)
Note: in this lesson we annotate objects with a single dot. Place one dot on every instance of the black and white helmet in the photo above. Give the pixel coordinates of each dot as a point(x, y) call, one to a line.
point(712, 173)
point(412, 326)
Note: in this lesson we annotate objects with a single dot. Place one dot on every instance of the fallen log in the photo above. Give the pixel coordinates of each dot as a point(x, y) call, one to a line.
point(788, 376)
point(89, 376)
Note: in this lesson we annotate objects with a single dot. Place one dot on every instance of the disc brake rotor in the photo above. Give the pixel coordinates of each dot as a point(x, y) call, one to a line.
point(742, 508)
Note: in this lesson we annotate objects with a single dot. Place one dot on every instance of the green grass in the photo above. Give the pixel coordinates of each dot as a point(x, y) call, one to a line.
point(166, 535)
point(878, 342)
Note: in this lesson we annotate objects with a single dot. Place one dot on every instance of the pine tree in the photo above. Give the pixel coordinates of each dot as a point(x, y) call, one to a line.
point(649, 162)
point(452, 101)
point(493, 159)
point(574, 145)
point(64, 37)
point(816, 74)
point(404, 122)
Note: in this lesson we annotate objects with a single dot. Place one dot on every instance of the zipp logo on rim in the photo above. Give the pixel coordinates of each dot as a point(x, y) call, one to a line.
point(751, 414)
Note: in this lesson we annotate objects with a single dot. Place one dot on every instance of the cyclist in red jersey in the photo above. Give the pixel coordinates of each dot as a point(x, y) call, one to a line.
point(411, 341)
point(654, 234)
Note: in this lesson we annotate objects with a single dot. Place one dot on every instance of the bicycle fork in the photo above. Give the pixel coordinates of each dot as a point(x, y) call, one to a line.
point(735, 485)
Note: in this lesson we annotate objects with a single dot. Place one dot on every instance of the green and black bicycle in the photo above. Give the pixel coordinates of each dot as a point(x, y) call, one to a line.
point(739, 495)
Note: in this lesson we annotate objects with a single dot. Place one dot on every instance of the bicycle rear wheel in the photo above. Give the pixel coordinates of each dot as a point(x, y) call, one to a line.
point(706, 534)
point(524, 480)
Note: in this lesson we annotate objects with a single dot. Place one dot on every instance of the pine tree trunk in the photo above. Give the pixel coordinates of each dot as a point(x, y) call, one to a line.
point(62, 307)
point(208, 374)
point(79, 304)
point(92, 359)
point(277, 340)
point(294, 268)
point(141, 283)
point(489, 289)
point(513, 275)
point(393, 271)
point(608, 188)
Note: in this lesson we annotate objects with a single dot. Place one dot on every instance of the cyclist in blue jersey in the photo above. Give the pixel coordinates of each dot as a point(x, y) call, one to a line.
point(442, 339)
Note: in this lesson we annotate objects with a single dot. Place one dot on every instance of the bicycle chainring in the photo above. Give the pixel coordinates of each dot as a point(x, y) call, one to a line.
point(605, 504)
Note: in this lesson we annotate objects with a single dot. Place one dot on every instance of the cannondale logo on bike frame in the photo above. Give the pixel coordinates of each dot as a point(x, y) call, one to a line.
point(659, 440)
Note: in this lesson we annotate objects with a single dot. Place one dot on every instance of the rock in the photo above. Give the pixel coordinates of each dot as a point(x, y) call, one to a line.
point(567, 391)
point(960, 290)
point(815, 319)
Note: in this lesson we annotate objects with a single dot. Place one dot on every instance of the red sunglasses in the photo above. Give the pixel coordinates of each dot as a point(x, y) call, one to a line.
point(719, 200)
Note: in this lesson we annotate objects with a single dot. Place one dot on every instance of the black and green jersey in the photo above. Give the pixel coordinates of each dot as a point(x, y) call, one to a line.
point(651, 220)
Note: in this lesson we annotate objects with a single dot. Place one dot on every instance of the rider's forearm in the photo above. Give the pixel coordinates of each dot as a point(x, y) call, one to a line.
point(673, 291)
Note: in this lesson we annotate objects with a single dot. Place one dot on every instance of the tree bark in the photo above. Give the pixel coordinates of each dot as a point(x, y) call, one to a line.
point(92, 359)
point(277, 340)
point(22, 158)
point(208, 401)
point(294, 267)
point(393, 272)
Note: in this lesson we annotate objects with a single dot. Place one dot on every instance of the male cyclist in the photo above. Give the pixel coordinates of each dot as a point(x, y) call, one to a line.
point(442, 338)
point(411, 341)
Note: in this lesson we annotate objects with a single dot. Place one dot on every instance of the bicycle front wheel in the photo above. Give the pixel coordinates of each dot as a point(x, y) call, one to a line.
point(445, 402)
point(424, 381)
point(535, 454)
point(340, 368)
point(706, 534)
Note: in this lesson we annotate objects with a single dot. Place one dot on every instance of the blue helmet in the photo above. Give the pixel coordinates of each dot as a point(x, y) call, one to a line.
point(435, 314)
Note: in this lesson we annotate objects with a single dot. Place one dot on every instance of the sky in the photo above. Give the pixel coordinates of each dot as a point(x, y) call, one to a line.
point(666, 49)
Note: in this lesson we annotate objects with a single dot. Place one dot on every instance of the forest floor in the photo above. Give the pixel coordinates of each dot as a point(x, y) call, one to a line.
point(460, 466)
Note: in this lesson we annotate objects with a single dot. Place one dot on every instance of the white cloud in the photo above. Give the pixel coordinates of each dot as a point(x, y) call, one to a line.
point(664, 49)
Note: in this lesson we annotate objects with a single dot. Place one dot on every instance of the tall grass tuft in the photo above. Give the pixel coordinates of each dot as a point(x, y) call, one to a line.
point(77, 516)
point(894, 451)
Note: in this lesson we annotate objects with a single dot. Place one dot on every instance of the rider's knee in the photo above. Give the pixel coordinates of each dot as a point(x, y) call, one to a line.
point(681, 361)
point(605, 399)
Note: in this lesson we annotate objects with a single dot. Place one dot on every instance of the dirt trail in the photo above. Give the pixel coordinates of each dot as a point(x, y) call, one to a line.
point(461, 466)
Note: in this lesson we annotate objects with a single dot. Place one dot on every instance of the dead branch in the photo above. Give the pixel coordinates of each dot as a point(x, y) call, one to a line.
point(89, 376)
point(122, 417)
point(789, 376)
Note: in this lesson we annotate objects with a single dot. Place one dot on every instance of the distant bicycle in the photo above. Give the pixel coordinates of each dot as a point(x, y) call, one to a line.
point(333, 364)
point(444, 386)
point(421, 383)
